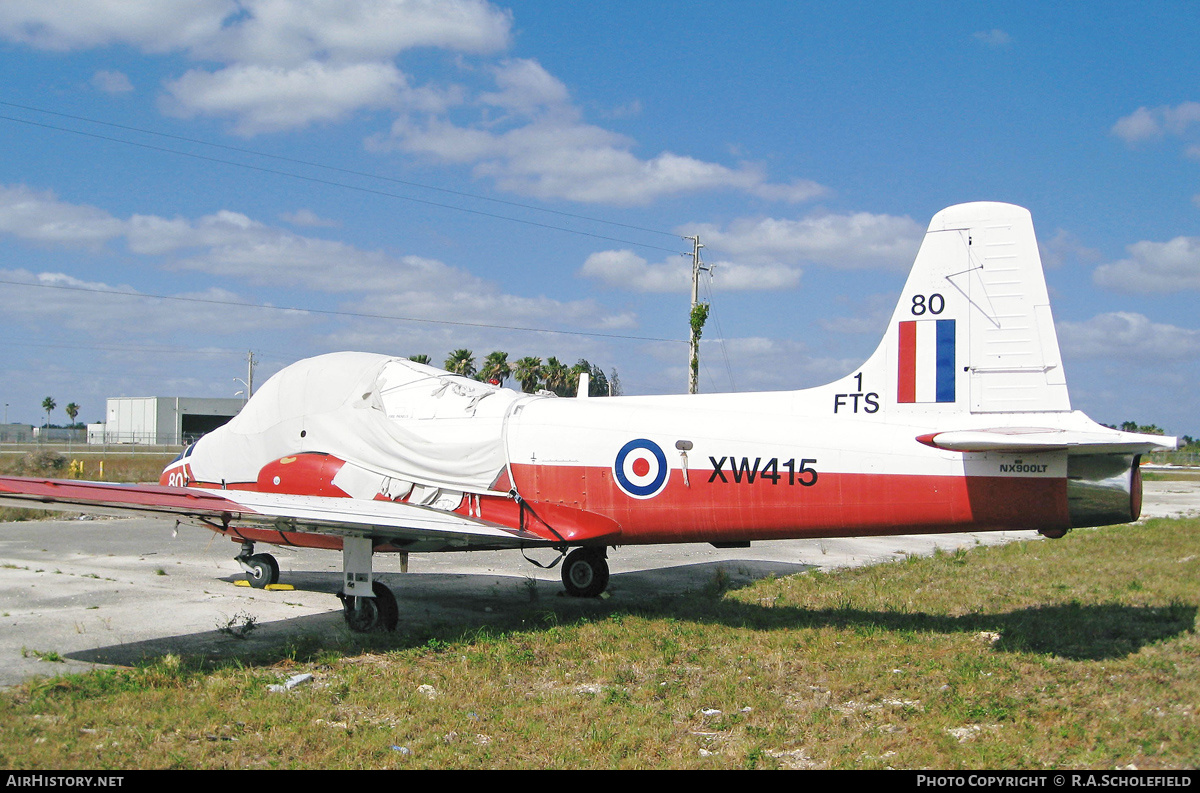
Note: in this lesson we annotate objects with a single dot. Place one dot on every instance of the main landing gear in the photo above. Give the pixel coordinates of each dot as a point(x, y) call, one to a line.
point(367, 604)
point(585, 572)
point(366, 614)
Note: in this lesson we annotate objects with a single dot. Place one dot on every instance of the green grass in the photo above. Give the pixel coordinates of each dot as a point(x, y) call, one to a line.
point(1075, 653)
point(1178, 475)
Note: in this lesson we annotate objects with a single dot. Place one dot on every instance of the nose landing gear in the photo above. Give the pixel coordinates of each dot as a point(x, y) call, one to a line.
point(261, 568)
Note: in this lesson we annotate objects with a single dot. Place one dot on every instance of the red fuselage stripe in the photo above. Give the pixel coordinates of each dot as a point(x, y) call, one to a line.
point(836, 505)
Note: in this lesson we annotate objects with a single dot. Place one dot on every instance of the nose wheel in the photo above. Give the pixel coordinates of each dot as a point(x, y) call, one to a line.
point(261, 568)
point(585, 572)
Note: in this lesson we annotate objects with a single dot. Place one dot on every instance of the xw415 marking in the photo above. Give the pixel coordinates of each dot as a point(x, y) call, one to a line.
point(772, 471)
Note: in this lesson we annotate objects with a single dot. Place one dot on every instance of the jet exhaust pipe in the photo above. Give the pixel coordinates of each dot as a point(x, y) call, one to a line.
point(1103, 489)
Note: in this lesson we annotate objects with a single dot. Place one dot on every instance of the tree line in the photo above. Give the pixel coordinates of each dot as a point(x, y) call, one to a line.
point(1151, 429)
point(531, 373)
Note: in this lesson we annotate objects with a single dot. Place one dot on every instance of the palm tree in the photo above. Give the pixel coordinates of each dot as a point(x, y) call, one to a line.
point(495, 368)
point(557, 376)
point(72, 411)
point(48, 404)
point(597, 380)
point(529, 372)
point(573, 376)
point(461, 362)
point(419, 359)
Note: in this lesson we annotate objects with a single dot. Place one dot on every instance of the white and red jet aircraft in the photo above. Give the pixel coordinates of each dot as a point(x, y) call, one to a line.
point(959, 421)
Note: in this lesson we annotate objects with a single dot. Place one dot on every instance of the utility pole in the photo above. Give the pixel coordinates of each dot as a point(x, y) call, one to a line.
point(249, 381)
point(250, 364)
point(698, 315)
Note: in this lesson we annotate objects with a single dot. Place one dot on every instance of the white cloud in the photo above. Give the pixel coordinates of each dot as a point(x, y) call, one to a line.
point(768, 364)
point(232, 245)
point(112, 82)
point(1127, 336)
point(308, 218)
point(1171, 266)
point(482, 302)
point(851, 242)
point(541, 148)
point(796, 192)
point(992, 38)
point(287, 32)
point(626, 270)
point(1151, 124)
point(272, 98)
point(40, 217)
point(98, 311)
point(1137, 126)
point(289, 64)
point(153, 235)
point(872, 313)
point(261, 31)
point(1062, 247)
point(764, 253)
point(525, 87)
point(556, 156)
point(284, 63)
point(152, 25)
point(755, 363)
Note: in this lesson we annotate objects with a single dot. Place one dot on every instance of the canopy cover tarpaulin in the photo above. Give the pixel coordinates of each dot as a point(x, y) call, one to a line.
point(391, 416)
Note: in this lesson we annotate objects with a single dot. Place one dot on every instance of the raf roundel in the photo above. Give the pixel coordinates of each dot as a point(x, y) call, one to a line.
point(641, 469)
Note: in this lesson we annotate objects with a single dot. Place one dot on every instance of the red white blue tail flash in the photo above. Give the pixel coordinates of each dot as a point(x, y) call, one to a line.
point(926, 355)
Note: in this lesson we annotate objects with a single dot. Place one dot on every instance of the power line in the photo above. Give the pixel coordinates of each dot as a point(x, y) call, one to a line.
point(177, 350)
point(331, 312)
point(310, 163)
point(721, 336)
point(344, 185)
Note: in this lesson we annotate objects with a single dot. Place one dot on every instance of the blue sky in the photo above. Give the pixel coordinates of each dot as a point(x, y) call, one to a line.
point(452, 161)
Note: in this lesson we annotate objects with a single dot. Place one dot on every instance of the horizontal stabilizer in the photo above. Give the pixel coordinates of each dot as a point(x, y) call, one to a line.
point(1039, 439)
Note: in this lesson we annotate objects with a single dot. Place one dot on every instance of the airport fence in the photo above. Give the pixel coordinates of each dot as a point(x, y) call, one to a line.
point(1173, 458)
point(80, 448)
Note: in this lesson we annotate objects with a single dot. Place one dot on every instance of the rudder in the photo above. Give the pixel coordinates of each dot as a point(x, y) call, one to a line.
point(973, 329)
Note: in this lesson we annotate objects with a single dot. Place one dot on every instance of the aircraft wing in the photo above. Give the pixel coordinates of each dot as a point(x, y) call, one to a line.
point(1038, 439)
point(396, 522)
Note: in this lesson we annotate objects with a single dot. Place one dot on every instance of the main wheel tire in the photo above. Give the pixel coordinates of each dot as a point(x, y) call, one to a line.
point(264, 570)
point(585, 572)
point(364, 615)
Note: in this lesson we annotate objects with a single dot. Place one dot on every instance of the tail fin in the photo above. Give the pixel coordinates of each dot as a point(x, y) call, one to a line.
point(973, 330)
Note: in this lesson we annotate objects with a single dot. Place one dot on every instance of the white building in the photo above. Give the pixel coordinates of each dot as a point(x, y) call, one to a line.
point(163, 420)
